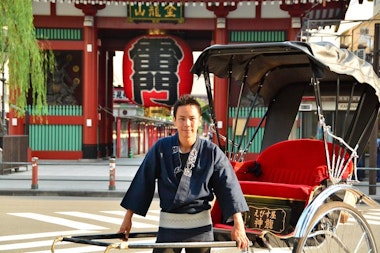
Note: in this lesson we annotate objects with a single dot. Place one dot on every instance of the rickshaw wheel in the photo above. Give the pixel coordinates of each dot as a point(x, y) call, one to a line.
point(337, 227)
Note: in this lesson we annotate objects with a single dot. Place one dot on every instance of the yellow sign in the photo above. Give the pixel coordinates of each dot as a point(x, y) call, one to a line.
point(156, 12)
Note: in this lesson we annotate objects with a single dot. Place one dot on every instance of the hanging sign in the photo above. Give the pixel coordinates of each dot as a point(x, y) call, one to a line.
point(155, 12)
point(119, 96)
point(156, 70)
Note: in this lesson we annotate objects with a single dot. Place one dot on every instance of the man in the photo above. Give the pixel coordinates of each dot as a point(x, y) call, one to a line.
point(189, 171)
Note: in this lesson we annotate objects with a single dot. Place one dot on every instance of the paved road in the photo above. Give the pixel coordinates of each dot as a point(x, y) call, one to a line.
point(29, 224)
point(84, 178)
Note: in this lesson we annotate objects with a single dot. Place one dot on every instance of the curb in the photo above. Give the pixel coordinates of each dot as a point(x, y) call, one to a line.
point(62, 193)
point(66, 193)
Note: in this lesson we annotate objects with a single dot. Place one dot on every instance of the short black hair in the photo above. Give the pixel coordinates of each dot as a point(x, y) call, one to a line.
point(186, 100)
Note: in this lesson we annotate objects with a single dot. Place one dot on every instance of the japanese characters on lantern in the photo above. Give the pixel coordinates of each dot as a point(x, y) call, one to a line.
point(156, 70)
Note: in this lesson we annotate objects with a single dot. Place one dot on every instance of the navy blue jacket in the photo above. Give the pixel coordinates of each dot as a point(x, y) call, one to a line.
point(212, 174)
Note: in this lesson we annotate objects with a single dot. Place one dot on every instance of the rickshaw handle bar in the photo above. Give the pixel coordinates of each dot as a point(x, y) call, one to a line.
point(217, 244)
point(88, 239)
point(85, 241)
point(116, 236)
point(156, 245)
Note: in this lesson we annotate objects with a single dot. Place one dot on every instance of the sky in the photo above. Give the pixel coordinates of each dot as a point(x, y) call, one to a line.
point(358, 11)
point(354, 14)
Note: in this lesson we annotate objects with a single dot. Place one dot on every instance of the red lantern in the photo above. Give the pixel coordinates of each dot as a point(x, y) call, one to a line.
point(156, 70)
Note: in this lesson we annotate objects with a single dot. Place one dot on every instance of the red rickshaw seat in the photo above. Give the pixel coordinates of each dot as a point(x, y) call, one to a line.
point(290, 170)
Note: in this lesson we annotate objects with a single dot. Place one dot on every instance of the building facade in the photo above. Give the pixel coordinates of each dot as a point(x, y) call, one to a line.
point(84, 121)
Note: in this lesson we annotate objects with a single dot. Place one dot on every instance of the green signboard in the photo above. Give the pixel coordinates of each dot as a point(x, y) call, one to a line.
point(156, 12)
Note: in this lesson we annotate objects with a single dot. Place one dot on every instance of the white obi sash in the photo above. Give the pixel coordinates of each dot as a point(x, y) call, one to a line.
point(185, 220)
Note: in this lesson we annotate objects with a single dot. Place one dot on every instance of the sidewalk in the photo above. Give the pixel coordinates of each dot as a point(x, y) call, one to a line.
point(89, 178)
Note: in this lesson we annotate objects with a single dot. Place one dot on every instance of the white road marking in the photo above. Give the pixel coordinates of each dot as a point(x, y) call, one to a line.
point(372, 222)
point(73, 250)
point(351, 221)
point(42, 235)
point(153, 217)
point(25, 245)
point(59, 221)
point(372, 216)
point(94, 217)
point(103, 218)
point(120, 213)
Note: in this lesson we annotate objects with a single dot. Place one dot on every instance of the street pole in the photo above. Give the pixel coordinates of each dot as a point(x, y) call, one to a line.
point(372, 174)
point(3, 123)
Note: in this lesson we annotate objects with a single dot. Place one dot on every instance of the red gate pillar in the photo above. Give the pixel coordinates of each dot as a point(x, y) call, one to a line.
point(90, 89)
point(109, 105)
point(221, 85)
point(130, 151)
point(118, 139)
point(90, 81)
point(138, 138)
point(103, 92)
point(145, 132)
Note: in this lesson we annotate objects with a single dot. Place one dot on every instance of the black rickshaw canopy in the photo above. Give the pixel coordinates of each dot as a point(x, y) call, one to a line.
point(280, 74)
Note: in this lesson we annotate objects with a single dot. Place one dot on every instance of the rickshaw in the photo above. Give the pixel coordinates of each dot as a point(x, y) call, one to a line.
point(300, 189)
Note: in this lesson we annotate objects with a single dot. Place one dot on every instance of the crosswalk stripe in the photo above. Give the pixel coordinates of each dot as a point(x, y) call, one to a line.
point(105, 219)
point(42, 235)
point(84, 249)
point(25, 245)
point(59, 221)
point(153, 217)
point(93, 217)
point(370, 221)
point(372, 216)
point(146, 218)
point(44, 243)
point(120, 213)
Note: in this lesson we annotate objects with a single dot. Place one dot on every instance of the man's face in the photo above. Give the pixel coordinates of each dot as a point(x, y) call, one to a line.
point(187, 121)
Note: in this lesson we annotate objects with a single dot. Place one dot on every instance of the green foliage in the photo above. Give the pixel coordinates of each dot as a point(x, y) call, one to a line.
point(28, 65)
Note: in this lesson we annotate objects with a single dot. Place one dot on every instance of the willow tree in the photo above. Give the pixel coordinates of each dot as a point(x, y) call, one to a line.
point(28, 64)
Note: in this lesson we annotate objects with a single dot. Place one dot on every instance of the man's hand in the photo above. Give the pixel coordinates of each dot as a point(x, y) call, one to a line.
point(126, 226)
point(238, 232)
